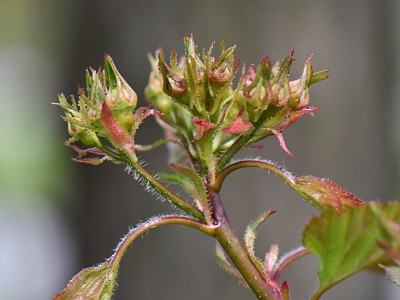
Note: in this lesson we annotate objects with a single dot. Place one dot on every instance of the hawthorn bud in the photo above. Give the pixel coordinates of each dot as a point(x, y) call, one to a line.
point(174, 84)
point(79, 126)
point(120, 97)
point(222, 70)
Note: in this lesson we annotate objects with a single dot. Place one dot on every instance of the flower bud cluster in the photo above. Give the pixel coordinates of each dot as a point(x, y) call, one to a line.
point(199, 87)
point(104, 109)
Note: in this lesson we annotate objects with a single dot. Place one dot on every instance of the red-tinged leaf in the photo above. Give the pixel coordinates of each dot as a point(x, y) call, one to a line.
point(143, 112)
point(322, 192)
point(201, 127)
point(95, 161)
point(257, 147)
point(270, 260)
point(118, 136)
point(239, 125)
point(393, 274)
point(281, 141)
point(293, 117)
point(348, 241)
point(83, 152)
point(95, 283)
point(285, 290)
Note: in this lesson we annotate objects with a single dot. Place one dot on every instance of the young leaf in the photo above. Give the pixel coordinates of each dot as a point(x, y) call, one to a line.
point(185, 182)
point(94, 283)
point(347, 241)
point(250, 237)
point(393, 274)
point(285, 291)
point(199, 187)
point(323, 192)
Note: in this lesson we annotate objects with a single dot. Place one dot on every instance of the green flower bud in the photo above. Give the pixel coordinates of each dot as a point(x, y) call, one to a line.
point(86, 136)
point(78, 123)
point(120, 97)
point(174, 84)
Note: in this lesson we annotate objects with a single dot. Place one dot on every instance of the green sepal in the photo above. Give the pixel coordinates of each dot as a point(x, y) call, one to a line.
point(319, 76)
point(110, 70)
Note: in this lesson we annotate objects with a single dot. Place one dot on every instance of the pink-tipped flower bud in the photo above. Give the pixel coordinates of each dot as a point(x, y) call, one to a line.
point(120, 97)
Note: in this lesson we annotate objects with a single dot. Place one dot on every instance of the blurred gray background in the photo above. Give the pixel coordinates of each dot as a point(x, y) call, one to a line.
point(57, 217)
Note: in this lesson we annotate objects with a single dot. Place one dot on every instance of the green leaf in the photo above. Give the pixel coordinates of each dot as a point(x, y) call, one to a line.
point(199, 191)
point(319, 76)
point(96, 283)
point(184, 181)
point(250, 237)
point(348, 241)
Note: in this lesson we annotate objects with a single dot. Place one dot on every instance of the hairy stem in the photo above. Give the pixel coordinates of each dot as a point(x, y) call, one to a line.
point(152, 223)
point(262, 164)
point(228, 239)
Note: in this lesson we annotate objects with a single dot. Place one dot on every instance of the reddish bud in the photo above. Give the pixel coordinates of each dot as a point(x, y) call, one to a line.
point(118, 135)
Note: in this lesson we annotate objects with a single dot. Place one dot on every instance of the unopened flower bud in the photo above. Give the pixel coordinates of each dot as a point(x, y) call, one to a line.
point(78, 124)
point(120, 97)
point(221, 70)
point(174, 84)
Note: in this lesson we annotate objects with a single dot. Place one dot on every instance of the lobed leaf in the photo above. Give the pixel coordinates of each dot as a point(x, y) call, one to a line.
point(348, 241)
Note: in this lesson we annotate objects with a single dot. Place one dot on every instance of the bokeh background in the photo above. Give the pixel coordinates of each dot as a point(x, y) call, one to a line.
point(57, 217)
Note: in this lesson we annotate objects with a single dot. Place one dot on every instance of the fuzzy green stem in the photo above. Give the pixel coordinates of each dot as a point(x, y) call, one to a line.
point(152, 223)
point(228, 239)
